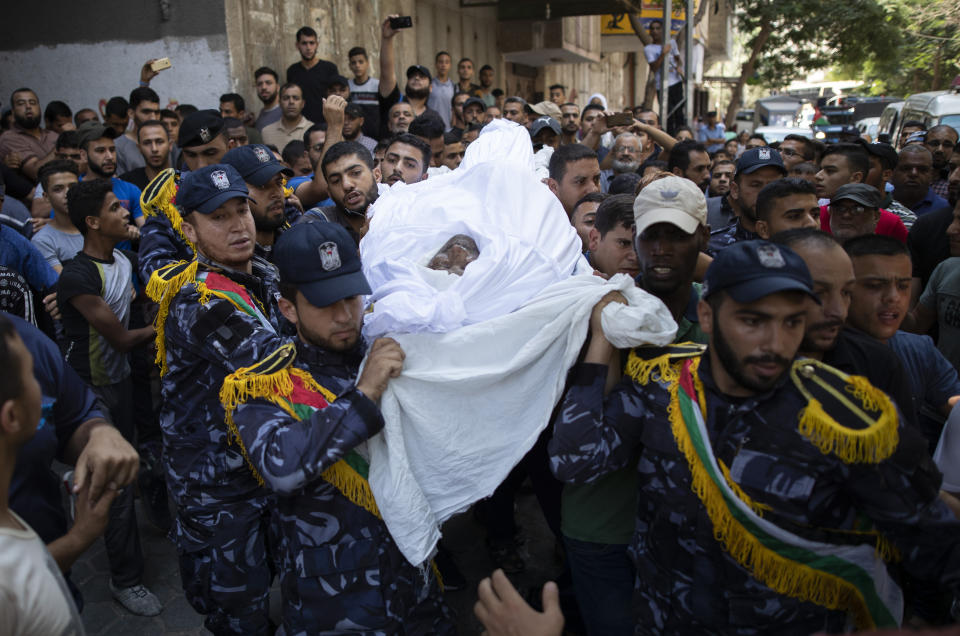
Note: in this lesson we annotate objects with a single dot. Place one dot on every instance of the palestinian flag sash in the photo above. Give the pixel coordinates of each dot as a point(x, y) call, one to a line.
point(294, 391)
point(166, 283)
point(850, 578)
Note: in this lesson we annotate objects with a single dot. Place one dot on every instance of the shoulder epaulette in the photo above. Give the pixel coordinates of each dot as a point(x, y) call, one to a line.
point(845, 415)
point(158, 199)
point(163, 286)
point(645, 360)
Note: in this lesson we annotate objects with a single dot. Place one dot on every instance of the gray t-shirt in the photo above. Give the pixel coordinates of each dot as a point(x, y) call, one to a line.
point(56, 245)
point(267, 117)
point(128, 155)
point(441, 95)
point(943, 296)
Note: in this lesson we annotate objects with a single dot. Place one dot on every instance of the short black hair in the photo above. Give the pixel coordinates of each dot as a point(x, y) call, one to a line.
point(805, 167)
point(12, 386)
point(167, 113)
point(757, 136)
point(85, 199)
point(56, 109)
point(23, 90)
point(560, 86)
point(76, 115)
point(583, 113)
point(653, 163)
point(293, 151)
point(288, 86)
point(117, 106)
point(875, 244)
point(153, 123)
point(913, 123)
point(234, 98)
point(805, 235)
point(305, 31)
point(680, 155)
point(464, 59)
point(343, 149)
point(497, 92)
point(428, 125)
point(513, 99)
point(439, 53)
point(53, 167)
point(780, 189)
point(809, 151)
point(615, 210)
point(485, 67)
point(566, 154)
point(143, 94)
point(68, 139)
point(266, 70)
point(592, 197)
point(454, 136)
point(624, 183)
point(322, 126)
point(358, 50)
point(231, 122)
point(412, 140)
point(857, 157)
point(185, 109)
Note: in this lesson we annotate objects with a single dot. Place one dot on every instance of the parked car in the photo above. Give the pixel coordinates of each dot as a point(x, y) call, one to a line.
point(933, 109)
point(776, 134)
point(889, 122)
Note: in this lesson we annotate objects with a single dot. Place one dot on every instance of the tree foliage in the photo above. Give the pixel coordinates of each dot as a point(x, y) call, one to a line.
point(926, 56)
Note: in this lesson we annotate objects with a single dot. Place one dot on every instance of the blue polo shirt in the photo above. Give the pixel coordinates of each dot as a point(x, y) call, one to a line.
point(20, 255)
point(930, 203)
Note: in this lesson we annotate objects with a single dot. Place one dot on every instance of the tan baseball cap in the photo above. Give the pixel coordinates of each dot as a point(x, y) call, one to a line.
point(672, 200)
point(547, 108)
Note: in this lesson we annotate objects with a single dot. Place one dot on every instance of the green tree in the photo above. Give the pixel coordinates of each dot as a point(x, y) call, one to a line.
point(927, 54)
point(787, 39)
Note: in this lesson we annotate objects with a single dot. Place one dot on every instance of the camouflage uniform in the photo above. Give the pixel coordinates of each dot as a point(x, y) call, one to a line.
point(729, 235)
point(686, 582)
point(342, 571)
point(160, 244)
point(222, 513)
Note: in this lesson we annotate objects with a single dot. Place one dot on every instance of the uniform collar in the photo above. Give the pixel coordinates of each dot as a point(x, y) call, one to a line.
point(316, 358)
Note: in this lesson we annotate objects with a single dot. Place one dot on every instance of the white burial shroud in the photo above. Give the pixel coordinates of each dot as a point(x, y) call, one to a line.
point(487, 353)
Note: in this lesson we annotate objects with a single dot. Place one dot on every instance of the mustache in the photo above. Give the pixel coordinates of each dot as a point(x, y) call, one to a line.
point(767, 359)
point(827, 324)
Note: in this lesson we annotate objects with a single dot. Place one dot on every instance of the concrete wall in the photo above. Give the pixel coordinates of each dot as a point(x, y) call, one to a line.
point(85, 53)
point(261, 33)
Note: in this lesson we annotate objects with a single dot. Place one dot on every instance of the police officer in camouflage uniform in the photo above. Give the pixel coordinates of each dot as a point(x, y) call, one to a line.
point(265, 178)
point(217, 313)
point(342, 572)
point(779, 453)
point(203, 142)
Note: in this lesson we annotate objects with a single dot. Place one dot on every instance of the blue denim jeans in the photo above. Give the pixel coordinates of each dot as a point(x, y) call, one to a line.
point(603, 579)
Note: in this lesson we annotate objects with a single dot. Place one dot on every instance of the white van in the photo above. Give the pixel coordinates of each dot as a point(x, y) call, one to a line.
point(933, 109)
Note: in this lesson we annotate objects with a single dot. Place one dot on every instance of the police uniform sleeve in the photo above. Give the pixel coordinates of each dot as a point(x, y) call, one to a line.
point(289, 454)
point(901, 496)
point(159, 246)
point(593, 436)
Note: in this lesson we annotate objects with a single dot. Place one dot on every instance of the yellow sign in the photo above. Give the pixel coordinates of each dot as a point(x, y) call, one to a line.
point(619, 23)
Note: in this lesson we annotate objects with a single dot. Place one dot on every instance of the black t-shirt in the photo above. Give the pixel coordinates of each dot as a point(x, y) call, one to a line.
point(928, 242)
point(89, 352)
point(314, 82)
point(137, 177)
point(858, 354)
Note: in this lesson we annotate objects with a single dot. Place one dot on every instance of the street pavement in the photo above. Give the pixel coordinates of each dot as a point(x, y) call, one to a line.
point(463, 537)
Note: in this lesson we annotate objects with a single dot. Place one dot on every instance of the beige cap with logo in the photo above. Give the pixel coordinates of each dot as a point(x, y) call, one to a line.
point(672, 200)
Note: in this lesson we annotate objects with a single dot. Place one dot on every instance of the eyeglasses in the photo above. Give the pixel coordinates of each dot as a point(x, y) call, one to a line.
point(789, 152)
point(841, 210)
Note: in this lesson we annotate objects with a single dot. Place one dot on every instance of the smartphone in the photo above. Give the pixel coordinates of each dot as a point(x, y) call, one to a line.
point(619, 119)
point(403, 22)
point(161, 64)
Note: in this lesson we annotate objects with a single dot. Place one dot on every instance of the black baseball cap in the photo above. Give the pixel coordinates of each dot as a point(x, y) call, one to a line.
point(93, 130)
point(354, 110)
point(750, 270)
point(544, 122)
point(756, 158)
point(859, 193)
point(208, 188)
point(200, 128)
point(321, 261)
point(885, 152)
point(255, 163)
point(477, 101)
point(418, 68)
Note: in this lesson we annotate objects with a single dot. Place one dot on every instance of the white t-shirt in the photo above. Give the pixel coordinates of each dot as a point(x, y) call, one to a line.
point(34, 598)
point(652, 52)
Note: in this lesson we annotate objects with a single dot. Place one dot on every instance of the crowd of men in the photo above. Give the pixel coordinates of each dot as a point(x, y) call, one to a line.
point(183, 297)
